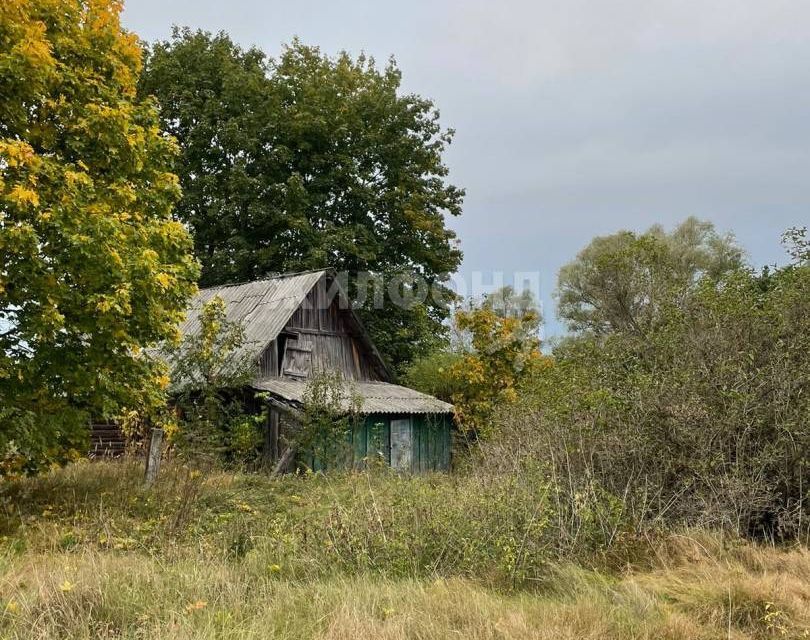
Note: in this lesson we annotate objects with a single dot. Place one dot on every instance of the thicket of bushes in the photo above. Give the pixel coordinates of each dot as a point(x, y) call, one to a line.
point(697, 414)
point(680, 397)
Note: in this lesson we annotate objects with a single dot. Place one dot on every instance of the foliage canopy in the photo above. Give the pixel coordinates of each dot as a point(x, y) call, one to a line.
point(498, 347)
point(92, 266)
point(307, 161)
point(623, 282)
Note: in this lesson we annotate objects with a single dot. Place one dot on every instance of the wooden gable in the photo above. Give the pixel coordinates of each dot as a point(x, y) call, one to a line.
point(323, 334)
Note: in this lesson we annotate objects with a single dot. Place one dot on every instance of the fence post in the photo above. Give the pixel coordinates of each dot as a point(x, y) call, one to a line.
point(271, 437)
point(153, 456)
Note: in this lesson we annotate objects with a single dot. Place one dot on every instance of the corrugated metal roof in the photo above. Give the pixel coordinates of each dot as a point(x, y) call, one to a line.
point(377, 397)
point(262, 307)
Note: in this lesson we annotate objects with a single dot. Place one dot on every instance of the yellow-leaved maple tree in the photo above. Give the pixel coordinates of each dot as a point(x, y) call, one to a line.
point(92, 266)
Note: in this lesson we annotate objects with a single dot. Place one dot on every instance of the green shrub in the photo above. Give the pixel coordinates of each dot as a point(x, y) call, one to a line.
point(701, 420)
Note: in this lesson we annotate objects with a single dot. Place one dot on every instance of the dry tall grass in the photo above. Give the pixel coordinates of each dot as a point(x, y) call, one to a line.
point(69, 570)
point(702, 592)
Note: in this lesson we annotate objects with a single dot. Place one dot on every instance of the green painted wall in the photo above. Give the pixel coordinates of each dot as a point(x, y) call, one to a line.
point(430, 439)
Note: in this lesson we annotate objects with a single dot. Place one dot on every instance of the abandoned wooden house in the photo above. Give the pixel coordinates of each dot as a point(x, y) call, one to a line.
point(297, 326)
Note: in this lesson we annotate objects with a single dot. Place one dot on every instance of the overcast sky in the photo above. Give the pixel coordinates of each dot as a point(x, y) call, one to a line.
point(576, 118)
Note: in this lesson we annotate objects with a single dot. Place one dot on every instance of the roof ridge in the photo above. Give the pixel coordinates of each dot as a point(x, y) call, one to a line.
point(280, 276)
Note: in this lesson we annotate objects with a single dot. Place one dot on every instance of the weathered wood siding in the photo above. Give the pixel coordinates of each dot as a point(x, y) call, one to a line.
point(324, 336)
point(268, 363)
point(430, 443)
point(319, 336)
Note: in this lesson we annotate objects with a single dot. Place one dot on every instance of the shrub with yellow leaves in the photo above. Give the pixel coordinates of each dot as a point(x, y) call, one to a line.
point(504, 350)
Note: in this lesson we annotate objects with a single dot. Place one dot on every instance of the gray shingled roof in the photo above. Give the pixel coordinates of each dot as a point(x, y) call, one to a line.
point(262, 307)
point(377, 397)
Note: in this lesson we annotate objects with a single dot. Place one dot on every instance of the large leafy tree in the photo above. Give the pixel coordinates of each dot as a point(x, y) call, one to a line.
point(621, 282)
point(92, 266)
point(308, 161)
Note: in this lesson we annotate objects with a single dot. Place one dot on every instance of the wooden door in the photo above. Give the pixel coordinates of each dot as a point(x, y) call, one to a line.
point(401, 444)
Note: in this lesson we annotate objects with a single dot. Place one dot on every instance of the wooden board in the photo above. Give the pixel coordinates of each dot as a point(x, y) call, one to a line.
point(297, 359)
point(401, 444)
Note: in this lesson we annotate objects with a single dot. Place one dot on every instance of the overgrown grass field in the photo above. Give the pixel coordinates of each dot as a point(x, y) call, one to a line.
point(88, 552)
